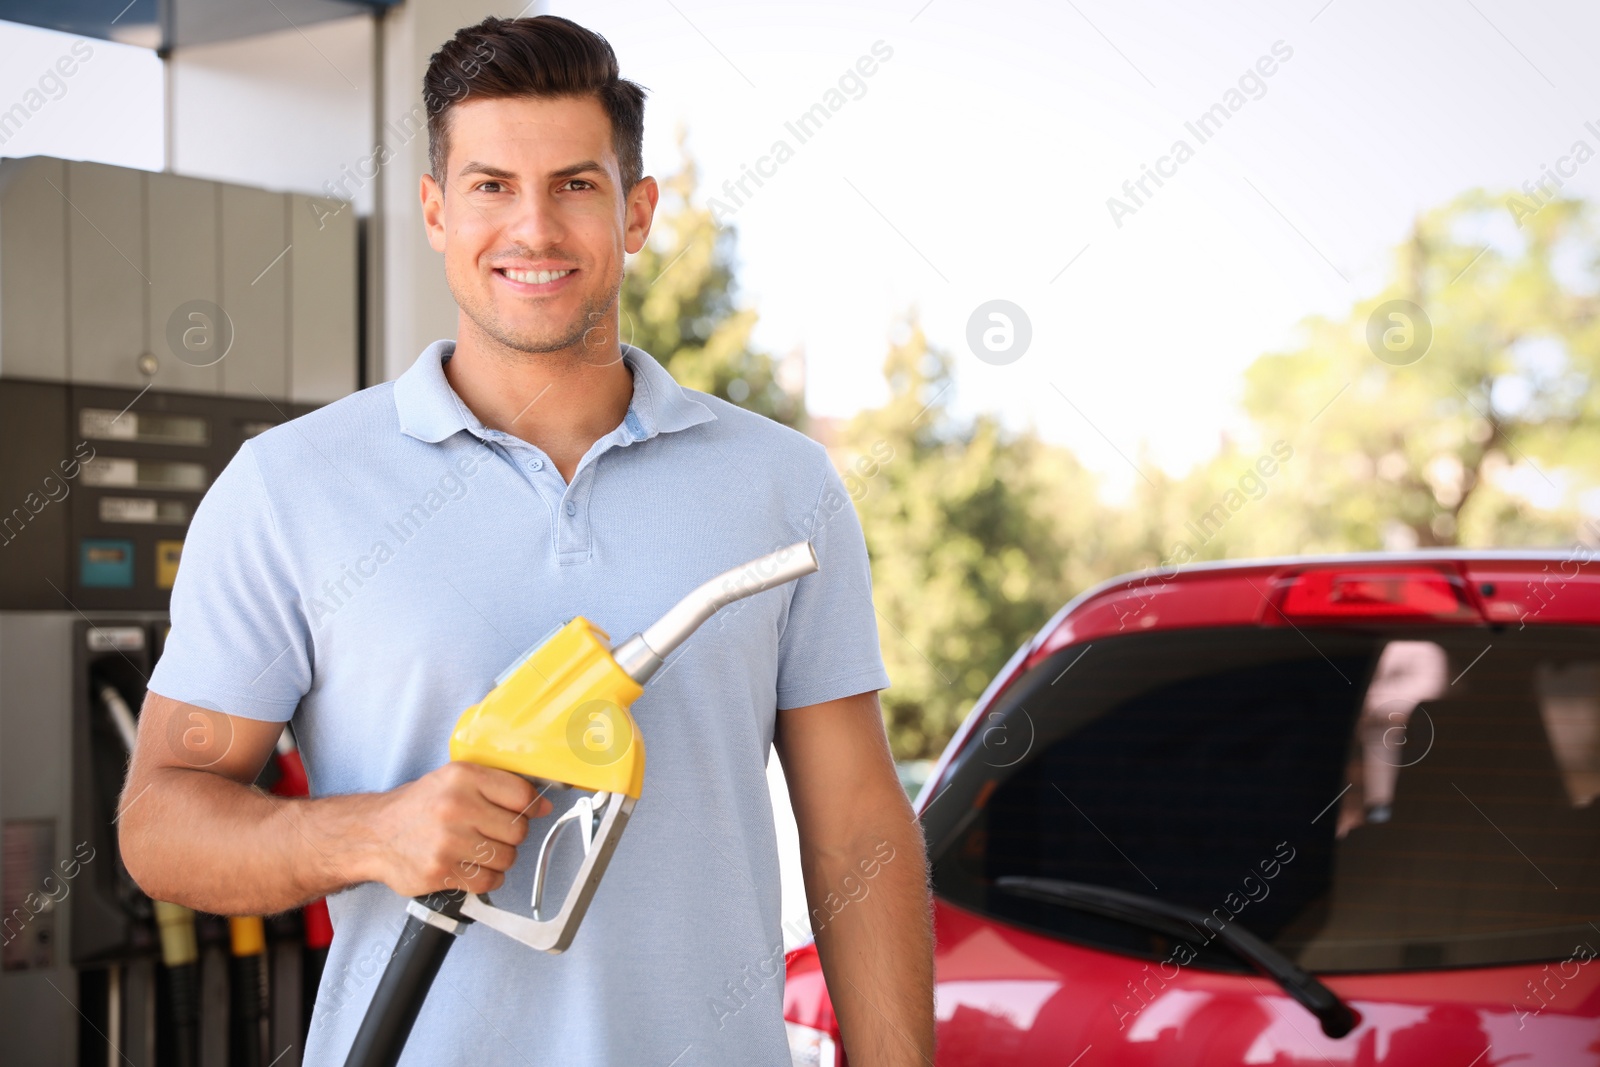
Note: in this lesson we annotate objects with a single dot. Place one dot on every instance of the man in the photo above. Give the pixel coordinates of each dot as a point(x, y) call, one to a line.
point(366, 570)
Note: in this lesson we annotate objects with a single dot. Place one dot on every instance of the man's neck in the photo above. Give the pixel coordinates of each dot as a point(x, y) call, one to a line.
point(560, 402)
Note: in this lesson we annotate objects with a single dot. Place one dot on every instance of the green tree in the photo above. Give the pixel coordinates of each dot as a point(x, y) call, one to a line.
point(967, 562)
point(679, 304)
point(1391, 451)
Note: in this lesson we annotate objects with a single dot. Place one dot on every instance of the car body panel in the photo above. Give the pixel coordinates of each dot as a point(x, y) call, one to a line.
point(1010, 996)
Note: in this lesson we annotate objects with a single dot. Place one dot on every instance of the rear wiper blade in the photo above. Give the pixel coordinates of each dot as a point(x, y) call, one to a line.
point(1182, 922)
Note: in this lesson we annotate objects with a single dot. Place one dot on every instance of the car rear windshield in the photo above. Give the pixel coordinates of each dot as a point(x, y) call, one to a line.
point(1370, 799)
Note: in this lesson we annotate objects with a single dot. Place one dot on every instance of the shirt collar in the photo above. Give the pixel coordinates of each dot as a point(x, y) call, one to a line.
point(431, 411)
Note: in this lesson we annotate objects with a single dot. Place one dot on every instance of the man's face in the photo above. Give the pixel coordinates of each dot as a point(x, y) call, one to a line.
point(535, 224)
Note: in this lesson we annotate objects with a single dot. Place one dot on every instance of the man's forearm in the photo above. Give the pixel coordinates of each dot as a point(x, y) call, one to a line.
point(213, 844)
point(871, 912)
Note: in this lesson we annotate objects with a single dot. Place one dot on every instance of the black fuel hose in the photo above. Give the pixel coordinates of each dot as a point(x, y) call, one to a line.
point(183, 990)
point(401, 991)
point(249, 1022)
point(180, 955)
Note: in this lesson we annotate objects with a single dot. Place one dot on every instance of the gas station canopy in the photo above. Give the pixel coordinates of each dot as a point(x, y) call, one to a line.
point(168, 24)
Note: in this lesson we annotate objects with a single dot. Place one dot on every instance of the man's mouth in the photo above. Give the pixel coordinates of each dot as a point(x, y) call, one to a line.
point(533, 277)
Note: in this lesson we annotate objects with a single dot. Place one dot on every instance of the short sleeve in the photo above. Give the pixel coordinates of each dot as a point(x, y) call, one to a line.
point(829, 645)
point(239, 641)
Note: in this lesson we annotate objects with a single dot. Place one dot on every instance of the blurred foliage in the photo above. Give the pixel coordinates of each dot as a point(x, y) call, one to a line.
point(678, 303)
point(966, 524)
point(1427, 453)
point(1488, 439)
point(978, 534)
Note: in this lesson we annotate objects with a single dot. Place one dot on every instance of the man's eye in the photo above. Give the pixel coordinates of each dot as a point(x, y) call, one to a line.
point(480, 185)
point(582, 182)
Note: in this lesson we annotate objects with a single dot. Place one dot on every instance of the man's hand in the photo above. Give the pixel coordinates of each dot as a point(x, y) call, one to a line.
point(193, 830)
point(457, 827)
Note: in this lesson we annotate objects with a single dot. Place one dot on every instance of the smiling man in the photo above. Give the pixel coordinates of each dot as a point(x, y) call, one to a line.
point(366, 571)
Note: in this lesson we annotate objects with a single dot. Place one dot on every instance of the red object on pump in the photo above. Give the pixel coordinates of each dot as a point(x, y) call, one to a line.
point(292, 782)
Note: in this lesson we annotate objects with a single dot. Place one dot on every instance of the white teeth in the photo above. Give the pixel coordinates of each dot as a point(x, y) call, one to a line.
point(535, 277)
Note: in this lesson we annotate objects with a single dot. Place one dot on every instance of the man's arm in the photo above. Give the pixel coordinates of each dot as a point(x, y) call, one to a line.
point(866, 876)
point(194, 831)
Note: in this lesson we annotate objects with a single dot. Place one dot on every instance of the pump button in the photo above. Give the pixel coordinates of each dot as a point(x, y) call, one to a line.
point(105, 563)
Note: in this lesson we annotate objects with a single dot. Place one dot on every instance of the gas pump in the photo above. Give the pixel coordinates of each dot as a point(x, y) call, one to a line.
point(121, 397)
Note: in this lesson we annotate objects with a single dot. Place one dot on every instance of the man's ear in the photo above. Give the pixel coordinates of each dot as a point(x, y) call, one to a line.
point(639, 212)
point(433, 211)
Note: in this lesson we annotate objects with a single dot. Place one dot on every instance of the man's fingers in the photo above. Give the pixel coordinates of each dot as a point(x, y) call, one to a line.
point(481, 880)
point(481, 817)
point(500, 859)
point(540, 808)
point(504, 789)
point(479, 857)
point(506, 827)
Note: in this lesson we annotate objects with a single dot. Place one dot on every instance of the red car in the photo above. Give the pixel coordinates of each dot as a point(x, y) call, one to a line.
point(1334, 811)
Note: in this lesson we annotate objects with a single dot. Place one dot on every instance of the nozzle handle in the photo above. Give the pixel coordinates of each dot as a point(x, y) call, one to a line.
point(642, 654)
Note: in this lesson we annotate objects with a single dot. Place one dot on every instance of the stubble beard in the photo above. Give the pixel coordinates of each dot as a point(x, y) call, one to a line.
point(590, 328)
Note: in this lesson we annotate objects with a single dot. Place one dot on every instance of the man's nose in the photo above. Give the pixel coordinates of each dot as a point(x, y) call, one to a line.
point(536, 222)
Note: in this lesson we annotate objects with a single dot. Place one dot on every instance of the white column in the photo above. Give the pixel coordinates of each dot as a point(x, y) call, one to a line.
point(335, 109)
point(417, 307)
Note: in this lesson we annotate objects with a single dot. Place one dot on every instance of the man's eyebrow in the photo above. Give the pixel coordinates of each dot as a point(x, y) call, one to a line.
point(474, 167)
point(578, 168)
point(491, 171)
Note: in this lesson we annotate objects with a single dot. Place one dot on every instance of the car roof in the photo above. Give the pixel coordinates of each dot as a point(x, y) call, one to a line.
point(1546, 585)
point(1473, 564)
point(1580, 554)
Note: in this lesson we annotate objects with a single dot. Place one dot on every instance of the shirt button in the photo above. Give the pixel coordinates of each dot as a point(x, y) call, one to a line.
point(536, 464)
point(572, 509)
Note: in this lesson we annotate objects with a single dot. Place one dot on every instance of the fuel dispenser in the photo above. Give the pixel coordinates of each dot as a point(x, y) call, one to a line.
point(149, 325)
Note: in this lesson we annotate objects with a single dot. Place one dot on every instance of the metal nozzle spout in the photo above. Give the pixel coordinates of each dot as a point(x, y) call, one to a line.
point(642, 654)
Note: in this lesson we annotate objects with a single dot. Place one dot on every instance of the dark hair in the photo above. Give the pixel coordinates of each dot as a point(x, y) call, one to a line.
point(540, 56)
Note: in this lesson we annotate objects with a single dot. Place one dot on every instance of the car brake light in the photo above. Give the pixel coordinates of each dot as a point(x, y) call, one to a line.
point(1369, 594)
point(810, 1047)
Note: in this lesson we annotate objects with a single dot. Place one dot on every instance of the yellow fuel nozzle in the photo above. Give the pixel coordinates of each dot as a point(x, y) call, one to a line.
point(559, 715)
point(560, 712)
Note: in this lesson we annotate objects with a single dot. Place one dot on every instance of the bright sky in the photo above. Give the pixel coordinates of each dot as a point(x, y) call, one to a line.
point(978, 163)
point(975, 164)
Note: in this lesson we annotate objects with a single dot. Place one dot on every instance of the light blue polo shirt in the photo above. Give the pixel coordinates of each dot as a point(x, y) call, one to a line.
point(366, 571)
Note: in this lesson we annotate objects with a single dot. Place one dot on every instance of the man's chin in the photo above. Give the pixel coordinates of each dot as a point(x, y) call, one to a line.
point(540, 339)
point(542, 329)
point(523, 331)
